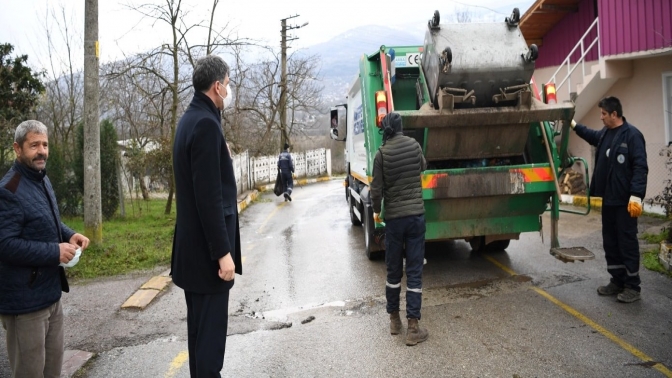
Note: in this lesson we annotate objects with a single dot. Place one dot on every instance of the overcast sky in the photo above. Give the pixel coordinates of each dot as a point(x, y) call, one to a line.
point(22, 22)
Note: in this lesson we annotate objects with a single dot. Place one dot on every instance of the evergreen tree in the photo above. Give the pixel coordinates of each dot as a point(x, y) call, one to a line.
point(68, 195)
point(109, 160)
point(20, 89)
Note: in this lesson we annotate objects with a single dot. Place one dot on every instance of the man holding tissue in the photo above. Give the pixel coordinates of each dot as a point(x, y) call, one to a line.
point(33, 242)
point(619, 178)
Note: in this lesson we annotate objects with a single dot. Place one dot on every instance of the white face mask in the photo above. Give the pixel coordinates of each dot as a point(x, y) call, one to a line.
point(226, 101)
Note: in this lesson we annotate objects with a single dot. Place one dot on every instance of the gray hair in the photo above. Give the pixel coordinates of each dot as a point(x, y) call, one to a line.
point(207, 70)
point(30, 126)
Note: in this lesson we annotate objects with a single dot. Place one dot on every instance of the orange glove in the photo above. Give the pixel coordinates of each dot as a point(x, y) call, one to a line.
point(376, 218)
point(635, 206)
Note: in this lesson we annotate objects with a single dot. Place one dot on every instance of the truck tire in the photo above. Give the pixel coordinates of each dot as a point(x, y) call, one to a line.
point(477, 243)
point(347, 190)
point(353, 217)
point(498, 245)
point(372, 249)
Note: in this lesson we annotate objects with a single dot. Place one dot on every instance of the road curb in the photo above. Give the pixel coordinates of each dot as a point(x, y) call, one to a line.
point(148, 291)
point(581, 201)
point(596, 204)
point(73, 360)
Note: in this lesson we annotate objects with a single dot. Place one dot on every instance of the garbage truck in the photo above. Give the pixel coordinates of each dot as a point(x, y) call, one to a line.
point(494, 147)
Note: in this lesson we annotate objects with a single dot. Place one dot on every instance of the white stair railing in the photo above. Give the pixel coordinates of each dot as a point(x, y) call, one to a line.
point(584, 51)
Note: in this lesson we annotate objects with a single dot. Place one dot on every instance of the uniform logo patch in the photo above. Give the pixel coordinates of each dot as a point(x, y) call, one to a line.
point(620, 159)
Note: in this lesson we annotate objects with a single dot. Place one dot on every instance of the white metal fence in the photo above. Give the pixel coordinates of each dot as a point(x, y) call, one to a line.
point(263, 170)
point(250, 172)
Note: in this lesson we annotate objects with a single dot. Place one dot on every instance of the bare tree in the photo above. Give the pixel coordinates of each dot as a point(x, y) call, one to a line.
point(463, 15)
point(62, 107)
point(182, 54)
point(140, 107)
point(253, 121)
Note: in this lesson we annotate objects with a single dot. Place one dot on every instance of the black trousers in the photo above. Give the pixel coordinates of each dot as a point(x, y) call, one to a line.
point(621, 247)
point(207, 323)
point(287, 181)
point(406, 234)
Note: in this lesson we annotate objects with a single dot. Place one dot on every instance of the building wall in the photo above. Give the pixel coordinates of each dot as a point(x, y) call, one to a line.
point(642, 98)
point(544, 75)
point(566, 34)
point(628, 26)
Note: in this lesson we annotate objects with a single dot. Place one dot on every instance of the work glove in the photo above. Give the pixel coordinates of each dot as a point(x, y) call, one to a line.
point(573, 124)
point(376, 217)
point(635, 206)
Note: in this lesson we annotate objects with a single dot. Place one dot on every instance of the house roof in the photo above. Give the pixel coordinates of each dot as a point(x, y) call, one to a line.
point(542, 16)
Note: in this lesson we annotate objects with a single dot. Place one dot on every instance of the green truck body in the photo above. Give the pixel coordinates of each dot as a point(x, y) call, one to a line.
point(494, 151)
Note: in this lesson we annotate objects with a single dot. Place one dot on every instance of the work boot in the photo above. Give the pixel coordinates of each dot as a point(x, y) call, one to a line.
point(628, 296)
point(610, 289)
point(395, 323)
point(415, 334)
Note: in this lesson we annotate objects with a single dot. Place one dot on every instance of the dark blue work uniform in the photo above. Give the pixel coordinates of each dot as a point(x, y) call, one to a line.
point(620, 172)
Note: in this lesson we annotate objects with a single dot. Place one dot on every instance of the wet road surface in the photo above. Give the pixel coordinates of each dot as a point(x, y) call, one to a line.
point(310, 304)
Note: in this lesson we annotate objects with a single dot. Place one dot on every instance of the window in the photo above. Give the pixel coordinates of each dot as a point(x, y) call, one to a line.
point(667, 104)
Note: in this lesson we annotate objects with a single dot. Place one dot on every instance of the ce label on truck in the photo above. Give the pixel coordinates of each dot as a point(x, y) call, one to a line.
point(408, 60)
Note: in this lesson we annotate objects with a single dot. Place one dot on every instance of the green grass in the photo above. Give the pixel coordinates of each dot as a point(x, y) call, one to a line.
point(650, 262)
point(655, 238)
point(142, 240)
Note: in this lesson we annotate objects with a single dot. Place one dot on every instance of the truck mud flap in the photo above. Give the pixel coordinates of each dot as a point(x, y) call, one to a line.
point(572, 254)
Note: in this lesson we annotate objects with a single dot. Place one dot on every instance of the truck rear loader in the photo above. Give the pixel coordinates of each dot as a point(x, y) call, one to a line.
point(494, 150)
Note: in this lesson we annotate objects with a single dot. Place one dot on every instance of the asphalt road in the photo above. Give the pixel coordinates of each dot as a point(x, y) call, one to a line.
point(310, 304)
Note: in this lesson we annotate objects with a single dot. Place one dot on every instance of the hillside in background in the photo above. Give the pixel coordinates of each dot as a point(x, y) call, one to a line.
point(340, 55)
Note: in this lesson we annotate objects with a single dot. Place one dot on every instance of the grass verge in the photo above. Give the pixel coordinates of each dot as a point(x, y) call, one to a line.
point(140, 241)
point(650, 258)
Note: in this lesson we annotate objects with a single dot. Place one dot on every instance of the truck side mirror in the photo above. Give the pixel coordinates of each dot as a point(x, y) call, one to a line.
point(334, 124)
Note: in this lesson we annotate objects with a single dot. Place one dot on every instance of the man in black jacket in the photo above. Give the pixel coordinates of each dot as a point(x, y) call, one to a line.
point(620, 179)
point(286, 167)
point(397, 169)
point(33, 241)
point(206, 245)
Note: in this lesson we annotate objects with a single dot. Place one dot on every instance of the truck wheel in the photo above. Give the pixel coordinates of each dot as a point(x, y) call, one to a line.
point(353, 217)
point(436, 19)
point(347, 190)
point(498, 245)
point(372, 249)
point(477, 243)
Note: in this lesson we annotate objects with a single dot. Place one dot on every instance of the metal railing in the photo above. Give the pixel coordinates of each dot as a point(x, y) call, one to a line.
point(584, 51)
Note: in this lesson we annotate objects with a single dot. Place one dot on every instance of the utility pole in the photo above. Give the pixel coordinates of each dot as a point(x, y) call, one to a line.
point(284, 137)
point(93, 224)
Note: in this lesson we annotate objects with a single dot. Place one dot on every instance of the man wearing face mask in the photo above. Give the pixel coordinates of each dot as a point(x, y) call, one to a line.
point(206, 245)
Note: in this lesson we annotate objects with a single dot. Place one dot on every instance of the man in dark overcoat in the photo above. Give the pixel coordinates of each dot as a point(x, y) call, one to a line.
point(206, 246)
